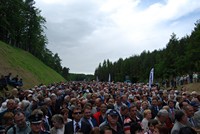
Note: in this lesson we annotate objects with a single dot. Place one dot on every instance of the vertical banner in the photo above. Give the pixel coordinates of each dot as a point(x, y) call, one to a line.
point(151, 78)
point(109, 78)
point(97, 79)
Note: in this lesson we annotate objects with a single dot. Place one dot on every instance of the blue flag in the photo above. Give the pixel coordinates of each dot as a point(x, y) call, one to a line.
point(151, 77)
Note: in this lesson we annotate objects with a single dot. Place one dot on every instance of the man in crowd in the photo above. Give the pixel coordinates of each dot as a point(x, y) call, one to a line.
point(88, 118)
point(36, 122)
point(21, 126)
point(180, 122)
point(131, 121)
point(76, 125)
point(112, 123)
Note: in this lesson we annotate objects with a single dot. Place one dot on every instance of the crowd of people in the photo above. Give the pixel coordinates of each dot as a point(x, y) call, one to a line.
point(99, 108)
point(182, 80)
point(9, 80)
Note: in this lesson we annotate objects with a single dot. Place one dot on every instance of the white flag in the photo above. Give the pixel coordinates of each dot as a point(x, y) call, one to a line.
point(109, 78)
point(151, 77)
point(97, 79)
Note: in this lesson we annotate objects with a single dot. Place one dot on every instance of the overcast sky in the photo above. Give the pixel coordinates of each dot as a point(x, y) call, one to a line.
point(86, 32)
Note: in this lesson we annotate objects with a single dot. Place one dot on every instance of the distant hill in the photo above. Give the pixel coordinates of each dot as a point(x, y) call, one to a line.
point(29, 68)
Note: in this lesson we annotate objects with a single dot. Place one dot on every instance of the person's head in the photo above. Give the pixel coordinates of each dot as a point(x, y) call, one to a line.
point(162, 115)
point(147, 114)
point(132, 111)
point(36, 120)
point(183, 104)
point(189, 110)
point(8, 118)
point(95, 130)
point(154, 102)
point(11, 105)
point(77, 113)
point(53, 98)
point(152, 124)
point(47, 101)
point(124, 110)
point(106, 130)
point(195, 105)
point(112, 117)
point(171, 103)
point(64, 112)
point(136, 128)
point(181, 117)
point(87, 112)
point(187, 130)
point(118, 99)
point(57, 121)
point(162, 129)
point(144, 105)
point(103, 108)
point(20, 119)
point(124, 98)
point(111, 101)
point(98, 102)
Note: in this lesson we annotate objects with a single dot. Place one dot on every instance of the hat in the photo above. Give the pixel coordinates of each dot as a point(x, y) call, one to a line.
point(194, 104)
point(35, 99)
point(194, 92)
point(29, 95)
point(35, 118)
point(113, 112)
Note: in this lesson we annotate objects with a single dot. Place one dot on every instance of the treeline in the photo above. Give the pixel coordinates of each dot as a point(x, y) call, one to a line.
point(181, 56)
point(80, 77)
point(22, 26)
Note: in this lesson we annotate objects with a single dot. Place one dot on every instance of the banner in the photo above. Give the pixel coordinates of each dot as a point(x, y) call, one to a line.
point(151, 77)
point(109, 78)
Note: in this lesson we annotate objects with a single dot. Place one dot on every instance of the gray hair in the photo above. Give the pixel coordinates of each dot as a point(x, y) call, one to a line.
point(162, 112)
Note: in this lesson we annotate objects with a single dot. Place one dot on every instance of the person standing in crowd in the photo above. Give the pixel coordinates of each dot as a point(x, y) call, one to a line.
point(58, 124)
point(161, 118)
point(152, 127)
point(190, 113)
point(36, 122)
point(100, 116)
point(112, 122)
point(64, 112)
point(11, 105)
point(180, 121)
point(8, 120)
point(21, 126)
point(154, 107)
point(88, 118)
point(145, 121)
point(76, 125)
point(123, 114)
point(131, 120)
point(3, 83)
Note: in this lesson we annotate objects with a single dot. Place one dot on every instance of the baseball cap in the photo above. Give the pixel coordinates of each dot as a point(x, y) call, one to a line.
point(113, 112)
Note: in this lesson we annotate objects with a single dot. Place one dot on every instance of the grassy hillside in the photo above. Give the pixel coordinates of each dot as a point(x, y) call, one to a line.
point(28, 67)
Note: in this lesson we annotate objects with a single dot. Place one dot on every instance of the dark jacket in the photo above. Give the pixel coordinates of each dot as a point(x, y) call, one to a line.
point(94, 122)
point(69, 128)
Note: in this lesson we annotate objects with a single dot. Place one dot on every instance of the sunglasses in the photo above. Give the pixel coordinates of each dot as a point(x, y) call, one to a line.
point(77, 113)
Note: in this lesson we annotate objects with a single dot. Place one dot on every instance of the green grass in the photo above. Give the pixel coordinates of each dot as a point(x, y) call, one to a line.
point(28, 67)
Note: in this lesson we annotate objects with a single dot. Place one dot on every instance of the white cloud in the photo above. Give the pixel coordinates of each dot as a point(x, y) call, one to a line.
point(84, 33)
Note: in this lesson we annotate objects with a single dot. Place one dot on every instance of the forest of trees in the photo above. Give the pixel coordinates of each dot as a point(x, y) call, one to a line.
point(22, 26)
point(180, 57)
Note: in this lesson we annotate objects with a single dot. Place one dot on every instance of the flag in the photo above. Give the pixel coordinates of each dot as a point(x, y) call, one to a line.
point(109, 78)
point(97, 79)
point(151, 77)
